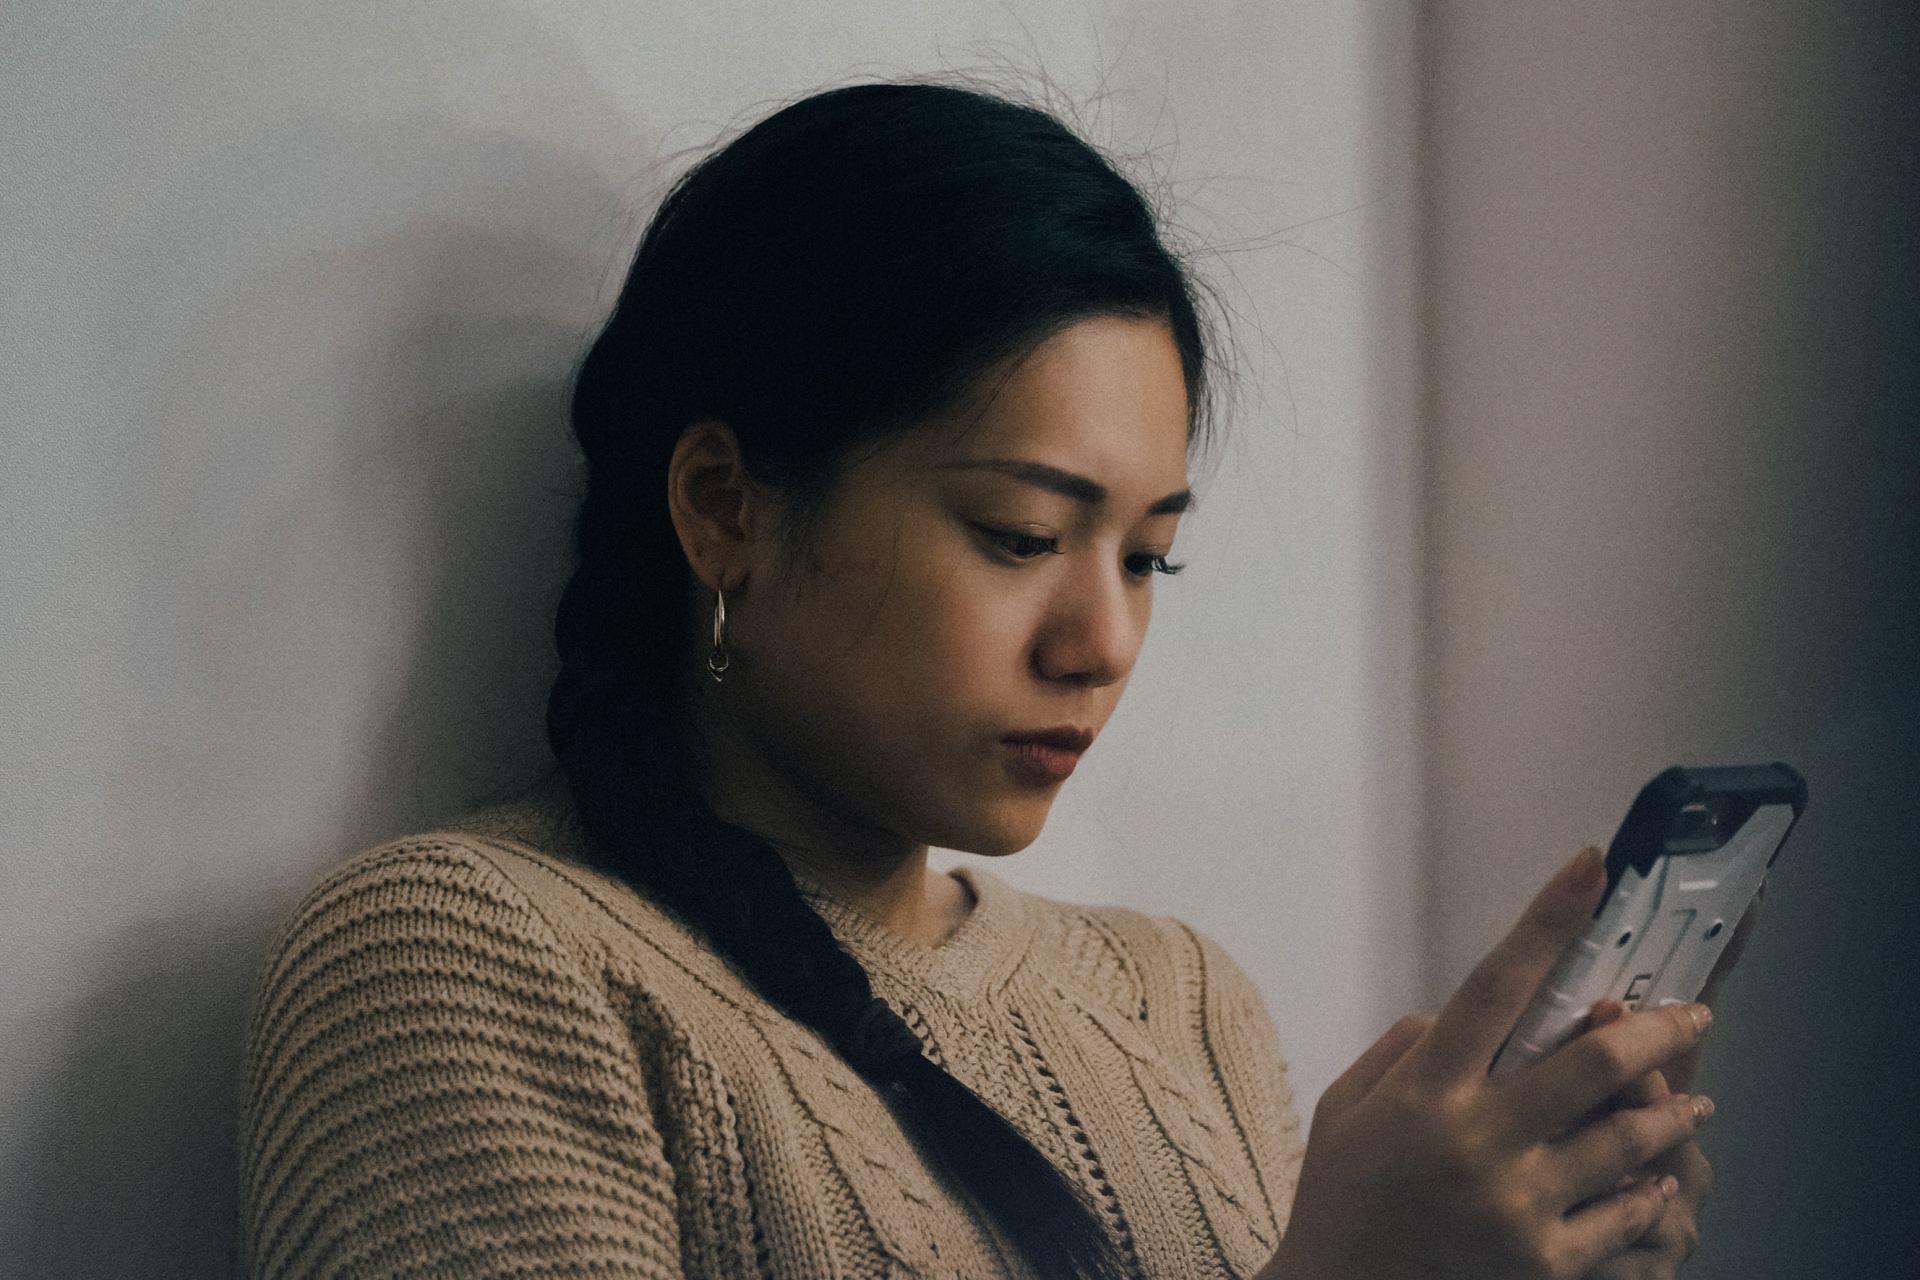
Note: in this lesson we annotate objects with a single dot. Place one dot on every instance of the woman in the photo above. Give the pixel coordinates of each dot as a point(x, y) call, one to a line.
point(886, 440)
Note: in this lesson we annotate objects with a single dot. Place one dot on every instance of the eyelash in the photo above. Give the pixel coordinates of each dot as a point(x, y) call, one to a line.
point(1158, 564)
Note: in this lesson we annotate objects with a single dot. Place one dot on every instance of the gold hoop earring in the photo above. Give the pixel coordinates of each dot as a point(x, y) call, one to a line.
point(719, 660)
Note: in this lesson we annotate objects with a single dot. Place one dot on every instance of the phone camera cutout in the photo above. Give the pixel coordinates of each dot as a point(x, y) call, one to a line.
point(1701, 818)
point(1625, 938)
point(1699, 826)
point(1713, 930)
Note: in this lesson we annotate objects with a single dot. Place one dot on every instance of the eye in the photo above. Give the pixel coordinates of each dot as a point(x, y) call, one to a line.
point(1156, 564)
point(1021, 546)
point(1027, 546)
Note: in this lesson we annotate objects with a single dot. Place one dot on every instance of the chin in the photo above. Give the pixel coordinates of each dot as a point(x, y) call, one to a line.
point(997, 831)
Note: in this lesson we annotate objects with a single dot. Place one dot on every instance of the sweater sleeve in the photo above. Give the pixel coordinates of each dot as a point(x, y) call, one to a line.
point(434, 1086)
point(1252, 1072)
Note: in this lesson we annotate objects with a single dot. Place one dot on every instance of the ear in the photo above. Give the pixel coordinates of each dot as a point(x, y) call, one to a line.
point(717, 509)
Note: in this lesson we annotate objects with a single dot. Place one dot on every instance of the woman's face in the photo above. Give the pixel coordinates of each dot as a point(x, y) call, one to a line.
point(949, 602)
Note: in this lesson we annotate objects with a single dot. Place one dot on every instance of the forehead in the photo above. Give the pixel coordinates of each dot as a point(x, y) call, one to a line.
point(1104, 397)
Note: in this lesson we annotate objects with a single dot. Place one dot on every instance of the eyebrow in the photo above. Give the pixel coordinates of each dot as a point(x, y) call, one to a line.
point(1068, 484)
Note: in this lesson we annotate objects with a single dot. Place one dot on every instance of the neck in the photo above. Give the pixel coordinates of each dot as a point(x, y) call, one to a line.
point(879, 873)
point(908, 898)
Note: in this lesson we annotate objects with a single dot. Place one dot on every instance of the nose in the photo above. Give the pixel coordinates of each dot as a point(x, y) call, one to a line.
point(1094, 627)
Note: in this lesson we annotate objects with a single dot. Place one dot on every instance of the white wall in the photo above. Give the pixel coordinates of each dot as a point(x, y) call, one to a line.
point(291, 292)
point(1674, 344)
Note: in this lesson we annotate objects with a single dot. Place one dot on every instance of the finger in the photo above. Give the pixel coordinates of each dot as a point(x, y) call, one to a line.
point(1675, 1236)
point(1659, 1253)
point(1596, 1065)
point(1676, 1076)
point(1476, 1019)
point(1614, 1223)
point(1648, 1089)
point(1358, 1080)
point(1680, 1072)
point(1604, 1012)
point(1651, 1087)
point(1644, 1092)
point(1695, 1174)
point(1592, 1161)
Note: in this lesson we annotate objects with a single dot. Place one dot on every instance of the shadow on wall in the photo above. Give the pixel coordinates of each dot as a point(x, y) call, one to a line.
point(132, 1170)
point(1815, 1042)
point(375, 626)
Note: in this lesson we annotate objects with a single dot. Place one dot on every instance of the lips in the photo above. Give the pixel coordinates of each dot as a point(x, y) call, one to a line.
point(1064, 738)
point(1045, 757)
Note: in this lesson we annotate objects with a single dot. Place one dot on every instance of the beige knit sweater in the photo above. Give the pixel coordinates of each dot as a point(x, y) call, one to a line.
point(472, 1055)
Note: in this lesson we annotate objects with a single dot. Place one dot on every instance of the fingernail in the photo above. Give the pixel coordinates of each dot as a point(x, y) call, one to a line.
point(1702, 1107)
point(1702, 1018)
point(1588, 873)
point(1669, 1187)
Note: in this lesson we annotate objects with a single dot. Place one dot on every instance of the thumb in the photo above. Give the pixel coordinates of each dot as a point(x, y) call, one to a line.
point(1358, 1080)
point(1475, 1021)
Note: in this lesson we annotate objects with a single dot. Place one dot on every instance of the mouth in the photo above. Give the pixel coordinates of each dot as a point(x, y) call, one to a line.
point(1066, 737)
point(1048, 756)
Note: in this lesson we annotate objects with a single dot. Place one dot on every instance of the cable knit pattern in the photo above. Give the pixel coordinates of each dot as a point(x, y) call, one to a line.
point(472, 1055)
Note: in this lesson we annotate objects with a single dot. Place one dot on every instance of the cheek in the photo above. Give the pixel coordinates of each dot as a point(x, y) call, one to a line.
point(909, 638)
point(939, 667)
point(968, 630)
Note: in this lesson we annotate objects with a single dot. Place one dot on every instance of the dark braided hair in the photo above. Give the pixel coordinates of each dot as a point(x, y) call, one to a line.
point(848, 266)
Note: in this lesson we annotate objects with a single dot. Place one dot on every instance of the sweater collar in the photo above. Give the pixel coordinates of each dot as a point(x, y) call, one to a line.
point(973, 961)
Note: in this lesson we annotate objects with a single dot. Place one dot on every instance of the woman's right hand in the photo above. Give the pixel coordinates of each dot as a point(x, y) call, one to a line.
point(1420, 1165)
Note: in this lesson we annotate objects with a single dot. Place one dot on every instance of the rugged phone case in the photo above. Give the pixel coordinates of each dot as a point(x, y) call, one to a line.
point(1682, 870)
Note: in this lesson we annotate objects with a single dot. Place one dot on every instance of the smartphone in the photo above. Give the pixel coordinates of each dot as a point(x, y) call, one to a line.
point(1683, 868)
